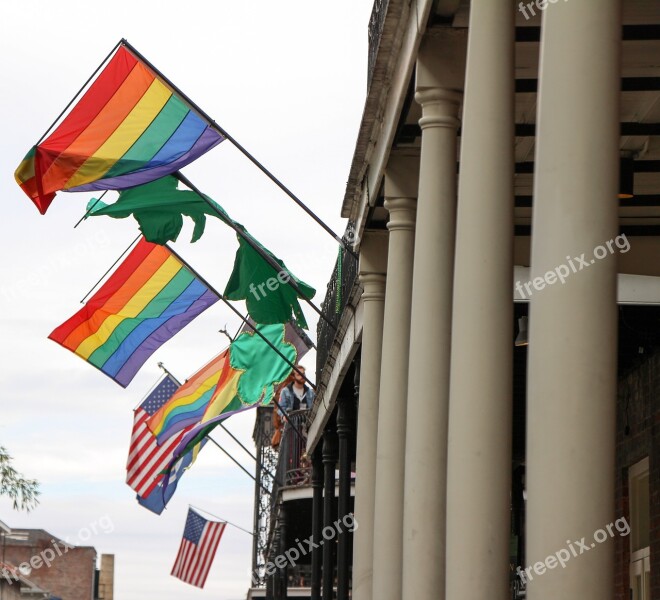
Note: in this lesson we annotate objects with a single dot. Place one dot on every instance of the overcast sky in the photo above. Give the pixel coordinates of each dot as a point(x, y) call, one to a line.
point(288, 80)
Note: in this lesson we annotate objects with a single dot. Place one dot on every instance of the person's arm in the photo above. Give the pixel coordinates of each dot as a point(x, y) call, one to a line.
point(284, 402)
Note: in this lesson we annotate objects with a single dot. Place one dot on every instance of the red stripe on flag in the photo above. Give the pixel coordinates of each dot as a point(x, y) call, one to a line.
point(146, 459)
point(137, 256)
point(193, 562)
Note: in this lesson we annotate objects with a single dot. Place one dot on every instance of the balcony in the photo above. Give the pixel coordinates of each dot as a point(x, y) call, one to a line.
point(337, 296)
point(293, 468)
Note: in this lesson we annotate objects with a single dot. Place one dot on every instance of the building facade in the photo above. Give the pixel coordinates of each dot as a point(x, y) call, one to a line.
point(37, 562)
point(490, 370)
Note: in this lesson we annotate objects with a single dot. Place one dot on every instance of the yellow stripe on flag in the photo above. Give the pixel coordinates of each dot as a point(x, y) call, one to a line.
point(133, 307)
point(131, 128)
point(223, 397)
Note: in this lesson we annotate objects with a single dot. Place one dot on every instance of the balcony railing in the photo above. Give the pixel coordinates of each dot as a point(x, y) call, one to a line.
point(375, 30)
point(292, 466)
point(338, 293)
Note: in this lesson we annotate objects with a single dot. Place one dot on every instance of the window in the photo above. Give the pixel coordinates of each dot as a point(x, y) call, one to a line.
point(640, 561)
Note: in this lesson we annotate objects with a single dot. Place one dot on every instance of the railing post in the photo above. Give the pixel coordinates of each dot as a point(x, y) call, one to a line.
point(284, 571)
point(329, 463)
point(317, 522)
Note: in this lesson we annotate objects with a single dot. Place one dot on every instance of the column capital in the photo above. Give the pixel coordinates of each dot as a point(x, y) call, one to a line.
point(440, 107)
point(374, 287)
point(402, 213)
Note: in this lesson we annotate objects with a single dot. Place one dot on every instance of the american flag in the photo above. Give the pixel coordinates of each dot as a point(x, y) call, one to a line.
point(197, 549)
point(146, 459)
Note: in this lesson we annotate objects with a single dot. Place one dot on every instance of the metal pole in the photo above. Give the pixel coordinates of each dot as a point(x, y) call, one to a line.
point(244, 319)
point(248, 238)
point(238, 146)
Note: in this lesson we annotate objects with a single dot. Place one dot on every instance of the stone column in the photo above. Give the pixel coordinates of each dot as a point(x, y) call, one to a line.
point(401, 184)
point(480, 401)
point(440, 72)
point(373, 265)
point(572, 365)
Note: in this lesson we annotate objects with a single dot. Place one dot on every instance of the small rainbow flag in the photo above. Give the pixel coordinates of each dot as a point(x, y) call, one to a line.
point(129, 128)
point(190, 402)
point(149, 298)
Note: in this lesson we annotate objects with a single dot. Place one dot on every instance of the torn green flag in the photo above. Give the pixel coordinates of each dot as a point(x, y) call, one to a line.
point(158, 207)
point(269, 297)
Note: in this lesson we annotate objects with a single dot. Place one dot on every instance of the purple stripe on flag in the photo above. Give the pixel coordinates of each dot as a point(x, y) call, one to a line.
point(206, 141)
point(161, 335)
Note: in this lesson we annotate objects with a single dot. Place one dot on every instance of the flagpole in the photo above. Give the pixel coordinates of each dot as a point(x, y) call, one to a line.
point(220, 519)
point(90, 209)
point(41, 139)
point(238, 146)
point(263, 487)
point(111, 267)
point(238, 313)
point(248, 238)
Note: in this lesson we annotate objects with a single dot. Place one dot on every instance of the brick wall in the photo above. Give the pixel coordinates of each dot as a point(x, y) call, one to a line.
point(71, 572)
point(638, 436)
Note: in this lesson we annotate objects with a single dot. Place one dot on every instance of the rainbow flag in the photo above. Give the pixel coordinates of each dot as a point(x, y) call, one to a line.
point(190, 402)
point(128, 128)
point(149, 298)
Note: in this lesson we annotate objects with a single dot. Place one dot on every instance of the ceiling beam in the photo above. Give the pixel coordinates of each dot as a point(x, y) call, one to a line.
point(630, 33)
point(628, 230)
point(628, 84)
point(523, 201)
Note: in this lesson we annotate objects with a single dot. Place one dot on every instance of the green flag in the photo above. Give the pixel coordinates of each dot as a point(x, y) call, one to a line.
point(267, 293)
point(262, 370)
point(158, 207)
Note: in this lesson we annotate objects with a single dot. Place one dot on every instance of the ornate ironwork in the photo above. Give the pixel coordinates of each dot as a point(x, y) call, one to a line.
point(337, 296)
point(266, 468)
point(376, 23)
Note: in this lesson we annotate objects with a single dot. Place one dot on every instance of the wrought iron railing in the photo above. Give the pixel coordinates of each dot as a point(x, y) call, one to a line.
point(376, 23)
point(293, 468)
point(338, 293)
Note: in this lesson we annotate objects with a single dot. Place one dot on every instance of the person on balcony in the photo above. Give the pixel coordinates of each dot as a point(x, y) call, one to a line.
point(297, 395)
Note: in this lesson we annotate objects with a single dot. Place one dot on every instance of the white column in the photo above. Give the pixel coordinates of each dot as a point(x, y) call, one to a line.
point(480, 402)
point(440, 72)
point(373, 266)
point(401, 183)
point(573, 325)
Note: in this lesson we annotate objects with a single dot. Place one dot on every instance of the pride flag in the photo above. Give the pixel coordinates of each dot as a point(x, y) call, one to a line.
point(190, 402)
point(149, 298)
point(127, 129)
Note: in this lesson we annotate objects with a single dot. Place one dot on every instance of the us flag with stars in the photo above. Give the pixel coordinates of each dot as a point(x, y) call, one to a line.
point(146, 459)
point(198, 546)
